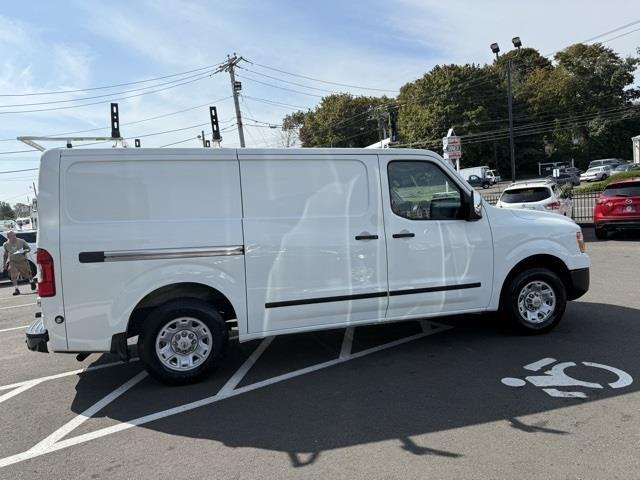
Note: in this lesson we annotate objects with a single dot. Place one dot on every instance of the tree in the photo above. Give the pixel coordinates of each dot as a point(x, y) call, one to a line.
point(469, 98)
point(341, 120)
point(290, 131)
point(587, 101)
point(6, 212)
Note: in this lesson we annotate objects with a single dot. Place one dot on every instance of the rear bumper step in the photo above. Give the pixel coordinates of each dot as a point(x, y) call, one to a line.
point(37, 336)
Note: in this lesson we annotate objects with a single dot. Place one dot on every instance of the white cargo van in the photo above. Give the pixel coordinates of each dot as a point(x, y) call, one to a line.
point(277, 242)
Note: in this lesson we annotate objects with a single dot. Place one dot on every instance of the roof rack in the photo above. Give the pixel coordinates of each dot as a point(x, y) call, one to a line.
point(115, 135)
point(33, 141)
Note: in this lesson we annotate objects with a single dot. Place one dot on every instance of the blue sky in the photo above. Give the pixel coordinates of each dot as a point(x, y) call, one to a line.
point(382, 44)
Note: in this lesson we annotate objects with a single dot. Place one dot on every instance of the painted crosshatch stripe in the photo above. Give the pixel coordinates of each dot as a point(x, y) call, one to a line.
point(343, 298)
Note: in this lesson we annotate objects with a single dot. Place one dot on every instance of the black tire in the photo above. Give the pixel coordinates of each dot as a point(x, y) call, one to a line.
point(485, 185)
point(512, 291)
point(601, 233)
point(158, 320)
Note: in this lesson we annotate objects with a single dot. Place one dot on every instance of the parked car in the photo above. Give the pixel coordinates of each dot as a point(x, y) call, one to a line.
point(476, 181)
point(29, 236)
point(618, 207)
point(275, 242)
point(564, 178)
point(542, 195)
point(571, 171)
point(611, 162)
point(625, 167)
point(595, 174)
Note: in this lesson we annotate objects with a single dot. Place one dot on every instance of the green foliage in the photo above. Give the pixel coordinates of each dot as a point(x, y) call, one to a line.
point(341, 120)
point(6, 212)
point(588, 81)
point(583, 106)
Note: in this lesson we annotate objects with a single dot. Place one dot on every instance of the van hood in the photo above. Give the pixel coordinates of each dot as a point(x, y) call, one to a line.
point(534, 216)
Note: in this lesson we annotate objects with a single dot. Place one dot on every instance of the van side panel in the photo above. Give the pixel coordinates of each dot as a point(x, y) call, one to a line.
point(49, 239)
point(305, 267)
point(132, 223)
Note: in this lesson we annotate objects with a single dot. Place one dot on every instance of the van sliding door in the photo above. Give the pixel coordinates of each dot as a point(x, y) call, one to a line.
point(314, 237)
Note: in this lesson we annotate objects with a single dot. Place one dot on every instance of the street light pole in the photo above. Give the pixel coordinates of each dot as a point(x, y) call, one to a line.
point(510, 102)
point(496, 49)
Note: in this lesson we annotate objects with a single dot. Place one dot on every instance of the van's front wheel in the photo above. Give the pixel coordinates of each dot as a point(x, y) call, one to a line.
point(535, 301)
point(182, 341)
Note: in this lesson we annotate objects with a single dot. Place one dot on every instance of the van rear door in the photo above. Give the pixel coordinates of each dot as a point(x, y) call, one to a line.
point(151, 206)
point(314, 240)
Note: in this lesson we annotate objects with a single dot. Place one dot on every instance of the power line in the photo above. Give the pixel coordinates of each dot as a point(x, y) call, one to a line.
point(290, 83)
point(59, 92)
point(23, 170)
point(164, 115)
point(51, 102)
point(107, 101)
point(617, 29)
point(278, 104)
point(279, 87)
point(319, 80)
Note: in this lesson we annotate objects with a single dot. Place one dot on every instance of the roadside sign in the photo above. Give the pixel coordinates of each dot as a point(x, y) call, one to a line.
point(452, 147)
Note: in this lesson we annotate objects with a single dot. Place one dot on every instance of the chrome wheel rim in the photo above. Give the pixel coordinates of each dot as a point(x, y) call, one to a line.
point(183, 344)
point(536, 302)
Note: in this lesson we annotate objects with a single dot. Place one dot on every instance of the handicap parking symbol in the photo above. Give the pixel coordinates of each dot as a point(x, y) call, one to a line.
point(557, 377)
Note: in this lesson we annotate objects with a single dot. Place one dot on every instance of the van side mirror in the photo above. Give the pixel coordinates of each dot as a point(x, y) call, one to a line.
point(475, 206)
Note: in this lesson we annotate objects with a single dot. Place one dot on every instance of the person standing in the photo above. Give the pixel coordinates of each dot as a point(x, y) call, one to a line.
point(15, 260)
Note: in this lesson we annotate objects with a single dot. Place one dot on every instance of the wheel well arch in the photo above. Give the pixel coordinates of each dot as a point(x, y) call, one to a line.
point(553, 263)
point(178, 291)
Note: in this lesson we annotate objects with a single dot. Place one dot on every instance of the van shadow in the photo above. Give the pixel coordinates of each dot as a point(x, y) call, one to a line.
point(440, 382)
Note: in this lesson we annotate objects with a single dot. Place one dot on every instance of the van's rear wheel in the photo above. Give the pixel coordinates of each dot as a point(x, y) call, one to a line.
point(535, 301)
point(182, 341)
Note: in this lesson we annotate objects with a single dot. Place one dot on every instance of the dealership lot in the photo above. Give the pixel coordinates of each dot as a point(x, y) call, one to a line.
point(459, 397)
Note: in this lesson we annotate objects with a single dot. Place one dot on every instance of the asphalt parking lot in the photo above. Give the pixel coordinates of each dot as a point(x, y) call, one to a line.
point(431, 399)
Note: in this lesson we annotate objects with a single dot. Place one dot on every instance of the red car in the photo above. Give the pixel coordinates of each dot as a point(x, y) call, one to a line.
point(618, 207)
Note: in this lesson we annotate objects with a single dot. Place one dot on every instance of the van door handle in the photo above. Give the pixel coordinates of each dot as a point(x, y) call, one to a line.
point(403, 235)
point(366, 236)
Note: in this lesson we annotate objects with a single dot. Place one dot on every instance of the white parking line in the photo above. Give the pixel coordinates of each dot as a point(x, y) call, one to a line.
point(13, 328)
point(64, 374)
point(67, 428)
point(227, 391)
point(18, 306)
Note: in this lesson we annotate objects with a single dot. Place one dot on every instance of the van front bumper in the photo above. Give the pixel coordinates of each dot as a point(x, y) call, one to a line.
point(37, 336)
point(579, 283)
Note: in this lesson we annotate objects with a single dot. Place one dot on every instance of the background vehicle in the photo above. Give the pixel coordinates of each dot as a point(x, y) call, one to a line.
point(476, 181)
point(618, 207)
point(625, 167)
point(278, 241)
point(540, 195)
point(611, 162)
point(29, 236)
point(477, 171)
point(565, 177)
point(595, 174)
point(493, 176)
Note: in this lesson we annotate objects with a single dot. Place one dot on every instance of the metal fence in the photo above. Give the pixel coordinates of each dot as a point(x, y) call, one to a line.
point(583, 203)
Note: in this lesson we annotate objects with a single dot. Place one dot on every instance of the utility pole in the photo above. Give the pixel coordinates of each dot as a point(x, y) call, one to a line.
point(510, 102)
point(232, 61)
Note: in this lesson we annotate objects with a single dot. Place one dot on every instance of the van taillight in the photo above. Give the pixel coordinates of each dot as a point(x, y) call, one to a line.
point(46, 280)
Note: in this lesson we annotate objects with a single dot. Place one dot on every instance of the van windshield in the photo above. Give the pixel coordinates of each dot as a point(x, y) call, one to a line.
point(524, 195)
